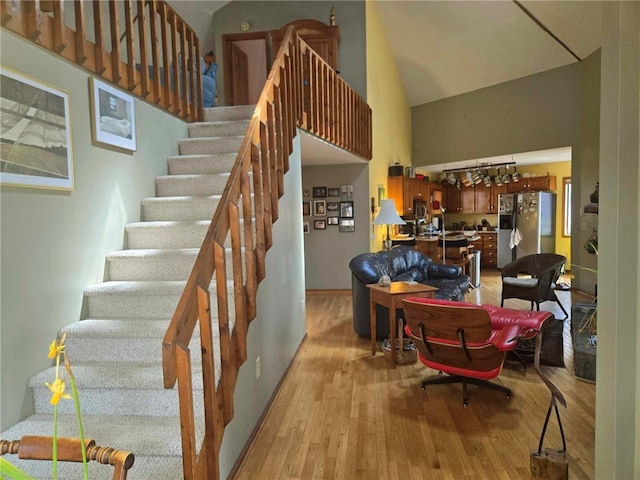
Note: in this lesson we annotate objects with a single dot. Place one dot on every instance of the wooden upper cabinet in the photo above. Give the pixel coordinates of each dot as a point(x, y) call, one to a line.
point(487, 197)
point(533, 184)
point(404, 190)
point(323, 38)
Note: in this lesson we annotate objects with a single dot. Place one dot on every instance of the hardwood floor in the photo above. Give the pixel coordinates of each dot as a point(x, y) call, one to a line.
point(343, 414)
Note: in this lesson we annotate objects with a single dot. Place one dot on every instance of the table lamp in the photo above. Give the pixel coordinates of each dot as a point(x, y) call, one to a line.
point(387, 216)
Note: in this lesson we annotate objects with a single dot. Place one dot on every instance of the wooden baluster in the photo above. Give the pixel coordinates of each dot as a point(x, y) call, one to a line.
point(256, 163)
point(81, 32)
point(199, 109)
point(192, 95)
point(184, 90)
point(9, 10)
point(142, 39)
point(155, 83)
point(29, 20)
point(187, 419)
point(58, 26)
point(166, 100)
point(265, 133)
point(208, 379)
point(99, 48)
point(174, 64)
point(114, 25)
point(130, 44)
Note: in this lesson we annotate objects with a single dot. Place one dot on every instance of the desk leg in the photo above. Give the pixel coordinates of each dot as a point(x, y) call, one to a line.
point(372, 320)
point(392, 332)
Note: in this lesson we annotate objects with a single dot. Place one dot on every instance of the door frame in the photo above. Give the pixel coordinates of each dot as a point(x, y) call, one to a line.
point(227, 40)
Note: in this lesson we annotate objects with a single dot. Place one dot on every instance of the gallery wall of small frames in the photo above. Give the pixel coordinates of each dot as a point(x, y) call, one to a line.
point(329, 207)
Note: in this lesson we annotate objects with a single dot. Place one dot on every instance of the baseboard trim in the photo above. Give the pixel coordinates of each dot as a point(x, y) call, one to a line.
point(261, 420)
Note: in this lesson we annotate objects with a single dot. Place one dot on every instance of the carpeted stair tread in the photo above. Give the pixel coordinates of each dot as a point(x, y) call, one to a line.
point(182, 208)
point(228, 113)
point(119, 328)
point(114, 375)
point(135, 288)
point(219, 128)
point(182, 185)
point(195, 146)
point(201, 164)
point(156, 264)
point(142, 235)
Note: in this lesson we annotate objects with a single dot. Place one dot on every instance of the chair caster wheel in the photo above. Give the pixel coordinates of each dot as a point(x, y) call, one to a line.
point(465, 404)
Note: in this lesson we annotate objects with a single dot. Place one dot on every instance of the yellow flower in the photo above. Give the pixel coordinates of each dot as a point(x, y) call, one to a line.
point(57, 389)
point(57, 347)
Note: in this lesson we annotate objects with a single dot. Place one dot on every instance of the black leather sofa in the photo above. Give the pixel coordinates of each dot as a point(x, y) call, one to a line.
point(406, 264)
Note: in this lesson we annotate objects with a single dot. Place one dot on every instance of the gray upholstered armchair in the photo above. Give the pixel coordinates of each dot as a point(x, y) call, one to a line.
point(533, 278)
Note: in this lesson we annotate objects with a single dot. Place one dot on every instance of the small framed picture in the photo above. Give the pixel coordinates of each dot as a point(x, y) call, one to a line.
point(334, 192)
point(319, 225)
point(332, 206)
point(319, 208)
point(306, 209)
point(346, 209)
point(346, 191)
point(347, 225)
point(319, 192)
point(113, 120)
point(332, 220)
point(305, 227)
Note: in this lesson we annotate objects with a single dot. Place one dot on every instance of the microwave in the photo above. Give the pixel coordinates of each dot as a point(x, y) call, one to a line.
point(419, 208)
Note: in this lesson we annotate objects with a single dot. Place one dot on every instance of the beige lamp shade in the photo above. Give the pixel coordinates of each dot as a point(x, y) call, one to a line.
point(388, 215)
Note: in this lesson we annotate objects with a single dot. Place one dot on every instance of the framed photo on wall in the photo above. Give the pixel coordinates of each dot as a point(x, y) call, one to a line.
point(319, 225)
point(35, 148)
point(332, 220)
point(334, 192)
point(113, 120)
point(347, 225)
point(346, 209)
point(305, 227)
point(332, 206)
point(319, 192)
point(319, 208)
point(306, 209)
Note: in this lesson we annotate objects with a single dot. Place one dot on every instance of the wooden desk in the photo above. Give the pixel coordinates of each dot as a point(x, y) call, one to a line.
point(391, 297)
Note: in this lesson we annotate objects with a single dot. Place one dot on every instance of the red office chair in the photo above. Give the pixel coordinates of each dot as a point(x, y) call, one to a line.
point(458, 338)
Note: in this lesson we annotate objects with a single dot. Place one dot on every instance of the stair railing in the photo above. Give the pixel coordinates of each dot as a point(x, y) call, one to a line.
point(301, 91)
point(158, 61)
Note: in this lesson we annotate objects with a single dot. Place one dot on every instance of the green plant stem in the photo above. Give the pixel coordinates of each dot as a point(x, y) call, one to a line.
point(7, 468)
point(76, 401)
point(55, 442)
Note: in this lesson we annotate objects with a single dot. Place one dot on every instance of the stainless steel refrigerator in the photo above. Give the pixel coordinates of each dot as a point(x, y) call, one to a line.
point(533, 214)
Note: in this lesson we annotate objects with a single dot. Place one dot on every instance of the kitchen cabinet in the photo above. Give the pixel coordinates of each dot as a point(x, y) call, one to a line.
point(436, 192)
point(487, 198)
point(533, 184)
point(403, 191)
point(488, 246)
point(461, 201)
point(428, 248)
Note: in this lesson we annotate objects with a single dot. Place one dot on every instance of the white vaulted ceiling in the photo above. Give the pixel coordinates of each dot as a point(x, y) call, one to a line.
point(445, 48)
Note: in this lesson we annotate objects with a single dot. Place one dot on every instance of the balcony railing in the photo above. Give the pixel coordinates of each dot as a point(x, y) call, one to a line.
point(143, 47)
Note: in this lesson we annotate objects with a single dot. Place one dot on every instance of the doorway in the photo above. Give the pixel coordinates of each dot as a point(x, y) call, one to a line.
point(245, 67)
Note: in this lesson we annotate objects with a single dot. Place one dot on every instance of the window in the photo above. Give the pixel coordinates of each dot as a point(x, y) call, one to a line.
point(566, 206)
